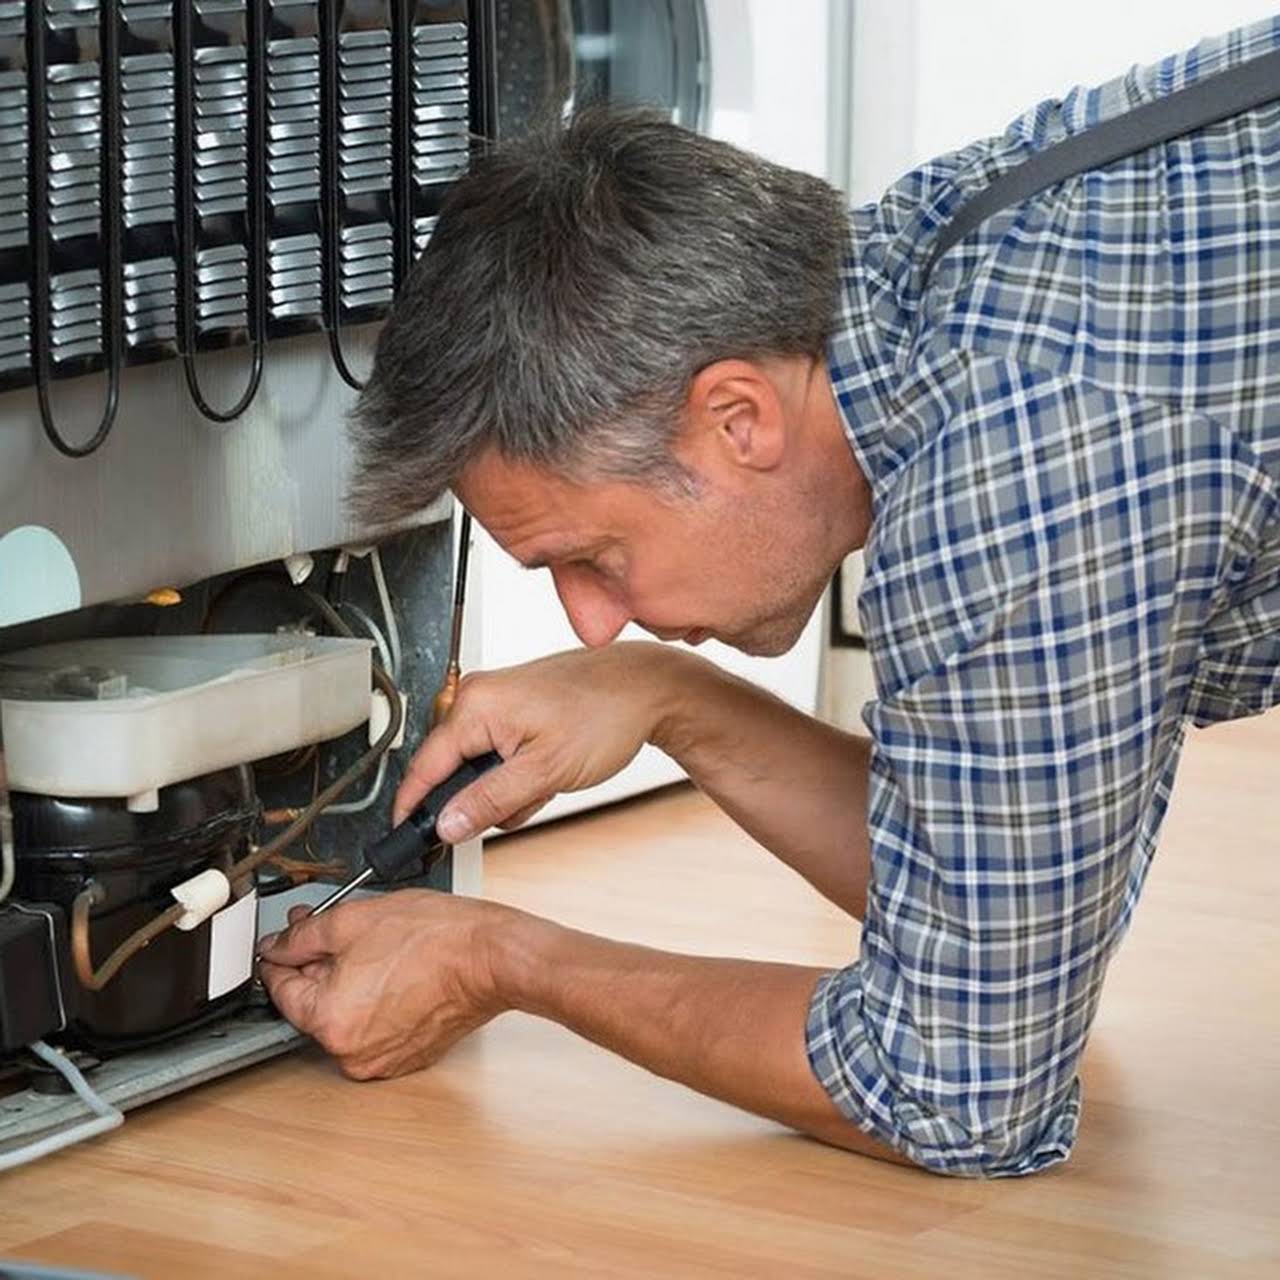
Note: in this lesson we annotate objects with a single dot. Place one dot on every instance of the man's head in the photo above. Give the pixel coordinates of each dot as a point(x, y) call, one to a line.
point(622, 317)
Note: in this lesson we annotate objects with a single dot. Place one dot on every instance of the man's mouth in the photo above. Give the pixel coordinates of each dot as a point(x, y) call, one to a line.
point(694, 636)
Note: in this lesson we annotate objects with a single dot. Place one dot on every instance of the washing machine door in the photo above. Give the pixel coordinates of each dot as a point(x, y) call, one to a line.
point(557, 55)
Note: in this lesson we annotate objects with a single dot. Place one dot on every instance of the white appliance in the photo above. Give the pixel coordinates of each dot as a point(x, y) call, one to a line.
point(767, 77)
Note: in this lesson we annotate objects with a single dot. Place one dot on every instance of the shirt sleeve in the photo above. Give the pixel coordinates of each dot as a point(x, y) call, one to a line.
point(1037, 591)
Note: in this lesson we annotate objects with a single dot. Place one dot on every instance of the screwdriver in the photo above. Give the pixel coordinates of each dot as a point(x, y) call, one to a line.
point(388, 858)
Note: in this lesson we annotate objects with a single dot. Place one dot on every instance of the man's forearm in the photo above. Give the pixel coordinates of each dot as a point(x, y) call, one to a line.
point(732, 1029)
point(799, 786)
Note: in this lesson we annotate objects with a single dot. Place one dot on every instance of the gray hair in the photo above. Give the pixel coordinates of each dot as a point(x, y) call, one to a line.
point(576, 282)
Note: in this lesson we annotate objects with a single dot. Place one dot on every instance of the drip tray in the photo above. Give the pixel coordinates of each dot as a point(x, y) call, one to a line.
point(146, 1075)
point(134, 1079)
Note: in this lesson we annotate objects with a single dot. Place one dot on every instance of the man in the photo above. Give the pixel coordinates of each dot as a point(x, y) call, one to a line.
point(678, 378)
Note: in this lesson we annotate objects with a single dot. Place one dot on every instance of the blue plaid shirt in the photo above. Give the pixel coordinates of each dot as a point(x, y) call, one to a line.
point(1073, 441)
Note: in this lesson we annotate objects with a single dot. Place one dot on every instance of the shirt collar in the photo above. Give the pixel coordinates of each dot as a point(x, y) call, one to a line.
point(865, 352)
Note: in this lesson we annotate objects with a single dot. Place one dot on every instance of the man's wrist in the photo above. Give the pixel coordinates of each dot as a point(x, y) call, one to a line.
point(675, 679)
point(516, 950)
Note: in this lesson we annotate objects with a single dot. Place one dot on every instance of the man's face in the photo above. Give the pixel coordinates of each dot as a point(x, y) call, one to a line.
point(745, 564)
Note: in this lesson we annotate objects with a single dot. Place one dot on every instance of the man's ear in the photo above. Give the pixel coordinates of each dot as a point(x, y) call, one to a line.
point(734, 417)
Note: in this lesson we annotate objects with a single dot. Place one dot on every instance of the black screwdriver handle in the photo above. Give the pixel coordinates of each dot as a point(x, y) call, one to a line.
point(391, 856)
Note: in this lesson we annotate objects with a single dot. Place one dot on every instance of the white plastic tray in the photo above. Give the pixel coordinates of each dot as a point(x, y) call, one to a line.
point(124, 717)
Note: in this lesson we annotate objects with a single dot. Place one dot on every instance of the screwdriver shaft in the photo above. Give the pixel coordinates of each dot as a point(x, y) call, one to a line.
point(338, 894)
point(390, 857)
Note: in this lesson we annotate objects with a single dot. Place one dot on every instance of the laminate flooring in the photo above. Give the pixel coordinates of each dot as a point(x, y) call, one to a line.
point(529, 1153)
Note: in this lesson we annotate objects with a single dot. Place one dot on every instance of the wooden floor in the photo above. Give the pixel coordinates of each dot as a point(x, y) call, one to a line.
point(528, 1153)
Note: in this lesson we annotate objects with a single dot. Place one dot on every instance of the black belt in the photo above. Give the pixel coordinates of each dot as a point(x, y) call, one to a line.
point(1228, 93)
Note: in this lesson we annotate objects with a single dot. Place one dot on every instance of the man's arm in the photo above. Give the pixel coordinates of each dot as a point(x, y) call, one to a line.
point(567, 722)
point(796, 784)
point(732, 1029)
point(388, 985)
point(1038, 598)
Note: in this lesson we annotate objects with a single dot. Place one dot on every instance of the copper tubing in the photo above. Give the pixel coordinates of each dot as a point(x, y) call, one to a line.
point(95, 979)
point(442, 704)
point(448, 691)
point(279, 817)
point(252, 861)
point(304, 870)
point(81, 954)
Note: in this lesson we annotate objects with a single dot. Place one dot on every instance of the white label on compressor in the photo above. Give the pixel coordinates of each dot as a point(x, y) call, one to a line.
point(231, 941)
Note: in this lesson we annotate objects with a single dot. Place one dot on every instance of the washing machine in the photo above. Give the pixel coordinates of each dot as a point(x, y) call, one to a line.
point(768, 77)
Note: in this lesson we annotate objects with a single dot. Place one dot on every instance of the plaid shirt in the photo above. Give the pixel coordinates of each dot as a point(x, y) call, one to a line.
point(1073, 441)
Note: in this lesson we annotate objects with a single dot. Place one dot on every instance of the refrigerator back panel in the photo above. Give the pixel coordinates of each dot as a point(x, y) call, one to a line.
point(204, 207)
point(204, 174)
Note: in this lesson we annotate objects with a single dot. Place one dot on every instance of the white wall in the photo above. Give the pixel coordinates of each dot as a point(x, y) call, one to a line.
point(769, 78)
point(933, 75)
point(929, 76)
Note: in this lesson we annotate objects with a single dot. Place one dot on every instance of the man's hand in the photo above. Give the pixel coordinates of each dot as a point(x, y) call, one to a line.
point(387, 985)
point(569, 721)
point(560, 724)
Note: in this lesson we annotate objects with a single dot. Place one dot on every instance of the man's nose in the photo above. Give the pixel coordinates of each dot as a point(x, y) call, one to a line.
point(595, 613)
